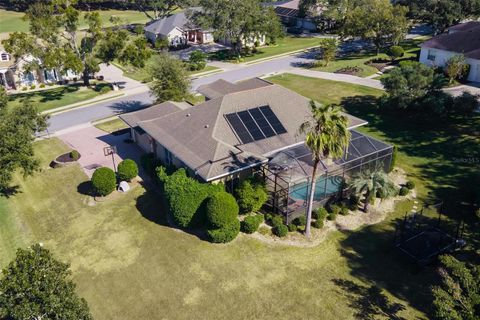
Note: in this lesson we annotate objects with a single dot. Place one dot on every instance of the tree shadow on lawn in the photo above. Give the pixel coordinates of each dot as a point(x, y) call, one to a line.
point(372, 257)
point(369, 302)
point(442, 146)
point(48, 94)
point(10, 191)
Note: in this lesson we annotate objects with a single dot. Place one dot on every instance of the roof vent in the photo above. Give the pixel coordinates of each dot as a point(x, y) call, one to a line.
point(206, 126)
point(188, 114)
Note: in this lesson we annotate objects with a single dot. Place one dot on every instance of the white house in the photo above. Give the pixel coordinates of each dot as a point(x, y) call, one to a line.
point(460, 39)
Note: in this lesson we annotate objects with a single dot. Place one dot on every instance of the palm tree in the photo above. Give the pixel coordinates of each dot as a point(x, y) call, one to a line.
point(369, 182)
point(326, 135)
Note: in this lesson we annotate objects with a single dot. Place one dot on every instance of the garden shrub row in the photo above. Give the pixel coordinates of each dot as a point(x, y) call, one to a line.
point(104, 180)
point(251, 195)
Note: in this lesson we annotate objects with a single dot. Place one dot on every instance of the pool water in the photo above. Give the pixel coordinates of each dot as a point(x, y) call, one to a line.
point(299, 191)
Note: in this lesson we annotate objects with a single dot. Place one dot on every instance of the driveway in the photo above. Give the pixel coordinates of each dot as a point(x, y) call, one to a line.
point(90, 142)
point(184, 54)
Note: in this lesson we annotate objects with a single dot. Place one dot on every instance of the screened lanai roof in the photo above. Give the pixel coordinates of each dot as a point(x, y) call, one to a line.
point(295, 164)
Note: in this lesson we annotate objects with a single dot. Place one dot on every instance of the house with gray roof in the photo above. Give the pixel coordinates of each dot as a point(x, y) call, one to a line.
point(245, 127)
point(463, 39)
point(178, 30)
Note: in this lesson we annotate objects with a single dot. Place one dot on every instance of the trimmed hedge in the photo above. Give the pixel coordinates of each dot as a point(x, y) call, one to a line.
point(251, 223)
point(276, 220)
point(104, 181)
point(251, 196)
point(127, 170)
point(222, 209)
point(225, 234)
point(186, 197)
point(403, 191)
point(280, 230)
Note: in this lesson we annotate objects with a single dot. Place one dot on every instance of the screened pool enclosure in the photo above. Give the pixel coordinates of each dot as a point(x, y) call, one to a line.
point(289, 171)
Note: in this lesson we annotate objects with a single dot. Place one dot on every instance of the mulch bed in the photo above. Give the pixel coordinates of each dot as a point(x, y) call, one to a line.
point(65, 158)
point(353, 71)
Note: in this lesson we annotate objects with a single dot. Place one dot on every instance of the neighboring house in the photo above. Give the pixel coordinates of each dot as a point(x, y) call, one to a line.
point(14, 75)
point(248, 127)
point(178, 29)
point(460, 39)
point(288, 12)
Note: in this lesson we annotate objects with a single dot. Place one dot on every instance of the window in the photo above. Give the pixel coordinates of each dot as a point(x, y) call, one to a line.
point(5, 56)
point(431, 55)
point(168, 156)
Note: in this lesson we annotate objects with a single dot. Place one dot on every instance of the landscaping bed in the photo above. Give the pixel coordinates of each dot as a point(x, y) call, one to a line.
point(66, 159)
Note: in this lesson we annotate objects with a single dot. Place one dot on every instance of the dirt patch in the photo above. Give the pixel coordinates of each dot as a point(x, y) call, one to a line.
point(377, 213)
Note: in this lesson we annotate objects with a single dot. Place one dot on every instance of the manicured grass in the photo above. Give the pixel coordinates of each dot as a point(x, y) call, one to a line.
point(123, 245)
point(53, 98)
point(12, 21)
point(326, 91)
point(358, 60)
point(285, 45)
point(111, 125)
point(142, 74)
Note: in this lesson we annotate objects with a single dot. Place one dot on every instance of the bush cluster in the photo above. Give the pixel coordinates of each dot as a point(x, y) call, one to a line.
point(251, 195)
point(251, 223)
point(403, 191)
point(292, 228)
point(332, 216)
point(317, 224)
point(276, 220)
point(222, 217)
point(300, 221)
point(186, 197)
point(344, 211)
point(334, 208)
point(103, 181)
point(225, 234)
point(127, 170)
point(321, 213)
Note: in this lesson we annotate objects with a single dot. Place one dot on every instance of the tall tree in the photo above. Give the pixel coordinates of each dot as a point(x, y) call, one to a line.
point(327, 136)
point(17, 128)
point(157, 9)
point(239, 21)
point(368, 183)
point(36, 286)
point(329, 48)
point(377, 21)
point(170, 78)
point(457, 297)
point(56, 41)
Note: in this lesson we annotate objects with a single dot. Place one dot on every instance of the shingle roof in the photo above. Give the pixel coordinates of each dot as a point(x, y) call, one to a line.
point(153, 112)
point(465, 39)
point(221, 87)
point(202, 138)
point(165, 25)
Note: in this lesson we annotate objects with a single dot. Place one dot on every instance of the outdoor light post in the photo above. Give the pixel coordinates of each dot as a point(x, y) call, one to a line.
point(111, 150)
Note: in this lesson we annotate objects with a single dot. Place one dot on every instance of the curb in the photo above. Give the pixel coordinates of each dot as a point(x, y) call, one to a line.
point(279, 55)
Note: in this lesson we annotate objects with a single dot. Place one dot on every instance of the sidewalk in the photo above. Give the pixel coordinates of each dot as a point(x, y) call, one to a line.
point(337, 77)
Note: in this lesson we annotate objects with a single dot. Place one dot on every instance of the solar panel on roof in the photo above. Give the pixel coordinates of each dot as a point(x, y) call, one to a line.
point(255, 124)
point(239, 128)
point(273, 120)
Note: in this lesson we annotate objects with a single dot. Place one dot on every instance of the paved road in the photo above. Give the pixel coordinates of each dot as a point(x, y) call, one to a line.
point(113, 107)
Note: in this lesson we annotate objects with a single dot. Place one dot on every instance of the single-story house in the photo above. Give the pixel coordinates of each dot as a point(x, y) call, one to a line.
point(178, 29)
point(460, 39)
point(14, 75)
point(251, 126)
point(289, 14)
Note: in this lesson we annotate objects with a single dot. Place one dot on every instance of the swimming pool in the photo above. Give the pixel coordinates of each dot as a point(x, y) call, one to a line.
point(333, 185)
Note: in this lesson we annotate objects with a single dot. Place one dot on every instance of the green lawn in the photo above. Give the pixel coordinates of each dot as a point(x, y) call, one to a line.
point(285, 45)
point(123, 245)
point(358, 60)
point(112, 125)
point(54, 98)
point(142, 74)
point(327, 91)
point(12, 21)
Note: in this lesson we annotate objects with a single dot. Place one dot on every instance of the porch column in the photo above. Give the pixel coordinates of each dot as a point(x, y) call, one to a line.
point(4, 81)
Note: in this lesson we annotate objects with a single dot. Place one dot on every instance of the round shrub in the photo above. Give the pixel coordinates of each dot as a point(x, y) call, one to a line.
point(268, 217)
point(75, 155)
point(280, 230)
point(42, 85)
point(251, 223)
point(291, 227)
point(127, 170)
point(103, 181)
point(344, 211)
point(395, 52)
point(332, 216)
point(276, 220)
point(33, 86)
point(317, 224)
point(225, 234)
point(322, 213)
point(403, 191)
point(410, 185)
point(335, 209)
point(222, 210)
point(251, 196)
point(300, 221)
